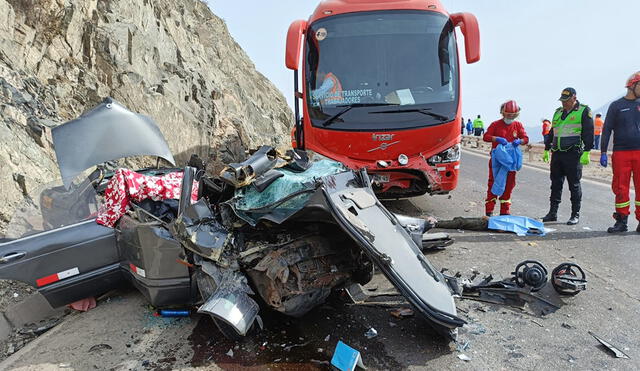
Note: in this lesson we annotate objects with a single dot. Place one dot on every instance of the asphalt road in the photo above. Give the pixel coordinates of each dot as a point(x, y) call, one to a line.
point(122, 334)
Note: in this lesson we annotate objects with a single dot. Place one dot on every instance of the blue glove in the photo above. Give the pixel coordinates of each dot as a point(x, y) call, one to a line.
point(603, 159)
point(516, 142)
point(501, 140)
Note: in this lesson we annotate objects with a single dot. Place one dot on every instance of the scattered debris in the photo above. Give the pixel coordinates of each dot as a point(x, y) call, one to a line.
point(371, 333)
point(568, 279)
point(346, 358)
point(537, 323)
point(530, 273)
point(615, 351)
point(15, 295)
point(567, 326)
point(174, 313)
point(289, 347)
point(532, 244)
point(230, 353)
point(99, 348)
point(507, 292)
point(587, 228)
point(464, 357)
point(462, 346)
point(475, 328)
point(327, 338)
point(84, 305)
point(402, 312)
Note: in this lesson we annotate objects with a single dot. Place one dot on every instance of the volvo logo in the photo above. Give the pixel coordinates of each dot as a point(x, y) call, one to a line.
point(384, 146)
point(382, 137)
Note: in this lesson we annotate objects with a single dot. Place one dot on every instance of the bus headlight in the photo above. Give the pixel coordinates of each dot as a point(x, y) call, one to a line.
point(403, 159)
point(450, 155)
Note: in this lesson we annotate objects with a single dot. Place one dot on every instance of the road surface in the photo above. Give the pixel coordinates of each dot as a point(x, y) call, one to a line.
point(122, 333)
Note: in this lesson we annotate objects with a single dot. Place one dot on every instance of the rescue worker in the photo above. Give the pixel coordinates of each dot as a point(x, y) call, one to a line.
point(469, 127)
point(504, 131)
point(330, 92)
point(623, 119)
point(546, 128)
point(478, 127)
point(570, 140)
point(598, 123)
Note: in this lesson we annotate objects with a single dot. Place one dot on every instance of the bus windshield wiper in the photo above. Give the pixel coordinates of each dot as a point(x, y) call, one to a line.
point(424, 111)
point(348, 107)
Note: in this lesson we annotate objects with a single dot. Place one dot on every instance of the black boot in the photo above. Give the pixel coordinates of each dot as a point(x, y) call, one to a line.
point(638, 228)
point(575, 219)
point(621, 224)
point(552, 215)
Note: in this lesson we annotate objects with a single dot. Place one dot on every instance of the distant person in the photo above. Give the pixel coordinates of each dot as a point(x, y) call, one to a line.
point(469, 127)
point(461, 125)
point(478, 126)
point(546, 128)
point(570, 140)
point(598, 123)
point(504, 131)
point(623, 119)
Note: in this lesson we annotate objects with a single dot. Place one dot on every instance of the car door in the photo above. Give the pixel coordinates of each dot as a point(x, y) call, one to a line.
point(55, 245)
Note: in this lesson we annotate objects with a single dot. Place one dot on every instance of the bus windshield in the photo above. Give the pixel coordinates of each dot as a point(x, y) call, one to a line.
point(381, 70)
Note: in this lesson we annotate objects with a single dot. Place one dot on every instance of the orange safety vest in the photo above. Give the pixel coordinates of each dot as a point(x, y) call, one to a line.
point(597, 126)
point(335, 94)
point(546, 127)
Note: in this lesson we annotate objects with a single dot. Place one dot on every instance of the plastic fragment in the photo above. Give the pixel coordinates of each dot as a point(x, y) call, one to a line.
point(371, 333)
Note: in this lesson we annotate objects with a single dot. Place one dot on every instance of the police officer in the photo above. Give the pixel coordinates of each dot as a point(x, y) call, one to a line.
point(570, 140)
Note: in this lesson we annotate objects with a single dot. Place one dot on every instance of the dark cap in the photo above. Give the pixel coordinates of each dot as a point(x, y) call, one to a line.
point(567, 93)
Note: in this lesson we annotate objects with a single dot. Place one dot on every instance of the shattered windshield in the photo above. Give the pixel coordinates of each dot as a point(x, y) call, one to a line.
point(52, 206)
point(406, 60)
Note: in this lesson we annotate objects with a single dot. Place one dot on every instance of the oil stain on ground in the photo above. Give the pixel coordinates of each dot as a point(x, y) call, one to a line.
point(287, 343)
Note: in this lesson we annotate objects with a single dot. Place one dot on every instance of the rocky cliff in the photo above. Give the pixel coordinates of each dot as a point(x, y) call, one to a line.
point(172, 60)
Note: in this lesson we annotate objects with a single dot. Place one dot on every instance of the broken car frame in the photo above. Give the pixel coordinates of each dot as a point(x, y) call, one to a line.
point(274, 229)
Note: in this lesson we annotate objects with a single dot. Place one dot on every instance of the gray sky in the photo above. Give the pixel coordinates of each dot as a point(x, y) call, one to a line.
point(531, 50)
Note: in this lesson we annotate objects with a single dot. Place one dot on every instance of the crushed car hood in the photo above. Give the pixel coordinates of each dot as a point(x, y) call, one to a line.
point(107, 132)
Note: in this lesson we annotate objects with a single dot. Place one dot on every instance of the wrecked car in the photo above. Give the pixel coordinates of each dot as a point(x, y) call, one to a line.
point(277, 231)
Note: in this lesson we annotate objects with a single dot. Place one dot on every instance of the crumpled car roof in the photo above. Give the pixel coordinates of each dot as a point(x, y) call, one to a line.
point(107, 132)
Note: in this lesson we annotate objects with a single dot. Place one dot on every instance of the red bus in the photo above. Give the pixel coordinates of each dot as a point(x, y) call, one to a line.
point(381, 90)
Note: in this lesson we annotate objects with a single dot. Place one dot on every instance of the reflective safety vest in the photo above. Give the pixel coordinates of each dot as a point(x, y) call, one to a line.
point(478, 124)
point(597, 126)
point(567, 133)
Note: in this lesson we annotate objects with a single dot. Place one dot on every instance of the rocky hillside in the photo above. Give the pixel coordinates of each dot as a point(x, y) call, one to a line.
point(171, 59)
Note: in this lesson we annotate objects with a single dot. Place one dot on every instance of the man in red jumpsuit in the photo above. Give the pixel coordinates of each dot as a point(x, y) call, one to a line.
point(623, 120)
point(504, 131)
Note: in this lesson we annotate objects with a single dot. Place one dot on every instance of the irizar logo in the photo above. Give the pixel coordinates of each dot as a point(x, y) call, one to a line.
point(382, 137)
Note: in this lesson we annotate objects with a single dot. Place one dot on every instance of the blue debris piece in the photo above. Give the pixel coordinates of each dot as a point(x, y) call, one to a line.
point(346, 358)
point(520, 225)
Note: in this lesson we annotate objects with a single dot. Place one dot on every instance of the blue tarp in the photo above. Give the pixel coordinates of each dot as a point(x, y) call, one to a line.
point(520, 225)
point(504, 158)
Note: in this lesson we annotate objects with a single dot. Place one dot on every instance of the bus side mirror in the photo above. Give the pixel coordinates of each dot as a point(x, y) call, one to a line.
point(469, 27)
point(294, 44)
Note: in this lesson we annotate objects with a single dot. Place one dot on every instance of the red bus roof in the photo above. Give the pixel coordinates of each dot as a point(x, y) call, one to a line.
point(328, 8)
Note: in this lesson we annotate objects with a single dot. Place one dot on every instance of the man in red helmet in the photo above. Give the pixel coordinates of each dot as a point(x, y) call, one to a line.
point(623, 119)
point(504, 131)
